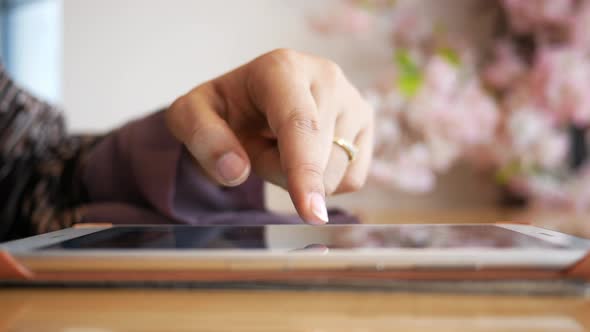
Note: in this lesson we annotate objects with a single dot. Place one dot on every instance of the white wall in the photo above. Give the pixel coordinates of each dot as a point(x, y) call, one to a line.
point(123, 58)
point(126, 57)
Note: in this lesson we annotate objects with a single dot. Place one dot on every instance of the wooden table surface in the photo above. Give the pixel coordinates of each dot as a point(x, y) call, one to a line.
point(102, 310)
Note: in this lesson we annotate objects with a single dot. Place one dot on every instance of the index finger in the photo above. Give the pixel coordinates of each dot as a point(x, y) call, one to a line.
point(303, 142)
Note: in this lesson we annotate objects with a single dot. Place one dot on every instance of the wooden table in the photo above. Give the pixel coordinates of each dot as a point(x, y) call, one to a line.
point(95, 310)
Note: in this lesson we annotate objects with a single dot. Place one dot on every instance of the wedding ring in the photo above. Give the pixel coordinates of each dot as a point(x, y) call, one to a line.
point(349, 148)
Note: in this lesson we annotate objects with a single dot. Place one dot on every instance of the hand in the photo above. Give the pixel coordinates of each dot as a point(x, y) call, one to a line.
point(279, 115)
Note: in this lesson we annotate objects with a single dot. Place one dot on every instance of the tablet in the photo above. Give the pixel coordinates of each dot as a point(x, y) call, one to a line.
point(299, 247)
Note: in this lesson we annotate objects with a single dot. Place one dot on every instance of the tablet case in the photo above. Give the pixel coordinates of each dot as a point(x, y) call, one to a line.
point(12, 269)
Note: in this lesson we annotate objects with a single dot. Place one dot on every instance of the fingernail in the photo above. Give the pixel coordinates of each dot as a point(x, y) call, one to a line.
point(318, 208)
point(231, 167)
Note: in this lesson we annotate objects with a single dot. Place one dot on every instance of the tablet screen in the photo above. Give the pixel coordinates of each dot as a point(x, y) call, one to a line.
point(293, 237)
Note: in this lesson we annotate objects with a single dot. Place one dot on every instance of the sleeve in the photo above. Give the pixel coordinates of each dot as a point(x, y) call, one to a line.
point(39, 161)
point(141, 166)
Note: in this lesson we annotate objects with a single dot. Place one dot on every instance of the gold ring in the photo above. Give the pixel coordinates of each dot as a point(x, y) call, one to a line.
point(349, 148)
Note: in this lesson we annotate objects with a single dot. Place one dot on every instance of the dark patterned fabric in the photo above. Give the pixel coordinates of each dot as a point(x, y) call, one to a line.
point(39, 162)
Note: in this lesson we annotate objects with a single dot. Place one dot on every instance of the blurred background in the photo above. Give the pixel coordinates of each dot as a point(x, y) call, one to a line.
point(448, 136)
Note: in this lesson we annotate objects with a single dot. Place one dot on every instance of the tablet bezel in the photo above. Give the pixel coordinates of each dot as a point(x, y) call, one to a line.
point(381, 259)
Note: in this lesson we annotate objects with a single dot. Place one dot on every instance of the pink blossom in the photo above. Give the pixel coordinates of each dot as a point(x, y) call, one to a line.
point(581, 28)
point(571, 194)
point(578, 189)
point(476, 115)
point(543, 190)
point(527, 16)
point(506, 67)
point(443, 152)
point(451, 111)
point(411, 29)
point(409, 171)
point(534, 140)
point(560, 81)
point(552, 150)
point(440, 76)
point(526, 126)
point(387, 134)
point(551, 21)
point(432, 104)
point(432, 110)
point(347, 17)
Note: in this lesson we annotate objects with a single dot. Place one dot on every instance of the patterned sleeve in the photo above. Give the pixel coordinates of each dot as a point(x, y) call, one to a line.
point(39, 164)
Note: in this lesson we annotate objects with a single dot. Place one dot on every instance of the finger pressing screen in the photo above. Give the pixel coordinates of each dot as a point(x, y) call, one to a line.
point(304, 146)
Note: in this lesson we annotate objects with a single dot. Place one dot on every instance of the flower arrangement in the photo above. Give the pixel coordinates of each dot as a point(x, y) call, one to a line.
point(518, 109)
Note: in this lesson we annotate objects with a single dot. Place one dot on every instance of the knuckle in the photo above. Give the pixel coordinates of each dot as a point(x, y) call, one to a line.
point(181, 103)
point(312, 170)
point(332, 71)
point(331, 79)
point(200, 131)
point(285, 54)
point(330, 187)
point(188, 101)
point(284, 58)
point(266, 70)
point(353, 183)
point(367, 110)
point(363, 114)
point(178, 116)
point(302, 123)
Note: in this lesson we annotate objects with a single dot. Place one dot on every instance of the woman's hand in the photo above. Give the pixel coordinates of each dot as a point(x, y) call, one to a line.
point(279, 115)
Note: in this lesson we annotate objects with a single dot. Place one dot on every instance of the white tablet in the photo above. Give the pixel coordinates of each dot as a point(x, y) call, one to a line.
point(297, 247)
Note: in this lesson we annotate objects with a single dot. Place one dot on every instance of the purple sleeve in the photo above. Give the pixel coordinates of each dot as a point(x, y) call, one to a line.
point(140, 174)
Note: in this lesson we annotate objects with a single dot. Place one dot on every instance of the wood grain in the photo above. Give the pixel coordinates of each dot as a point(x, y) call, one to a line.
point(191, 310)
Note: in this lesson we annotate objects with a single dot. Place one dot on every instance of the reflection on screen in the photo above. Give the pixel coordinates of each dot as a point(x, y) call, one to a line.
point(294, 237)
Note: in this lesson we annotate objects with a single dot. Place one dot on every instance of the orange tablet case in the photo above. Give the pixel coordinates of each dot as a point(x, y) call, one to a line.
point(12, 269)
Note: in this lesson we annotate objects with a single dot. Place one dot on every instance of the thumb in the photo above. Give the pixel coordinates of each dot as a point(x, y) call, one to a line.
point(195, 122)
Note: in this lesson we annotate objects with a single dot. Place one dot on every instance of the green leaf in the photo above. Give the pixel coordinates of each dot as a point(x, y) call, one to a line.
point(365, 4)
point(450, 55)
point(409, 79)
point(369, 4)
point(504, 174)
